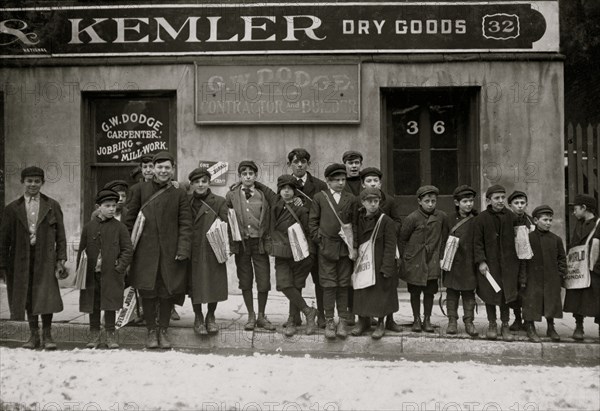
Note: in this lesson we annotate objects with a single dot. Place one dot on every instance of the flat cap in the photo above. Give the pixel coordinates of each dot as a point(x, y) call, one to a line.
point(199, 173)
point(370, 192)
point(370, 171)
point(516, 194)
point(286, 180)
point(116, 185)
point(105, 195)
point(428, 189)
point(163, 156)
point(32, 171)
point(586, 200)
point(335, 168)
point(463, 191)
point(147, 158)
point(248, 163)
point(496, 188)
point(543, 209)
point(351, 155)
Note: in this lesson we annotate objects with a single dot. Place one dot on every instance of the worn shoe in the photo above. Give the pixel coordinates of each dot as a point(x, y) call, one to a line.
point(94, 340)
point(452, 326)
point(264, 323)
point(470, 329)
point(505, 332)
point(417, 326)
point(531, 332)
point(251, 323)
point(427, 327)
point(551, 332)
point(321, 320)
point(361, 326)
point(373, 321)
point(152, 339)
point(174, 315)
point(163, 339)
point(290, 330)
point(47, 341)
point(342, 329)
point(34, 340)
point(211, 324)
point(199, 327)
point(111, 340)
point(578, 333)
point(379, 331)
point(311, 315)
point(351, 321)
point(391, 325)
point(492, 331)
point(517, 325)
point(330, 329)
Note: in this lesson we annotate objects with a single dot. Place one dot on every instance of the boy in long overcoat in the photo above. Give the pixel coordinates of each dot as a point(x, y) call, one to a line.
point(208, 277)
point(371, 177)
point(494, 251)
point(461, 280)
point(422, 239)
point(381, 299)
point(540, 286)
point(584, 302)
point(107, 244)
point(33, 250)
point(335, 258)
point(159, 269)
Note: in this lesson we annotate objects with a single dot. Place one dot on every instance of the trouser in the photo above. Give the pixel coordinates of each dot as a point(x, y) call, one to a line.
point(297, 302)
point(336, 296)
point(490, 309)
point(211, 308)
point(34, 321)
point(415, 303)
point(109, 315)
point(314, 273)
point(165, 305)
point(468, 299)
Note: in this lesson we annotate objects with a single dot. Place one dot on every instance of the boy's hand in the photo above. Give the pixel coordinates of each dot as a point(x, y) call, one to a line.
point(483, 268)
point(385, 275)
point(353, 254)
point(180, 257)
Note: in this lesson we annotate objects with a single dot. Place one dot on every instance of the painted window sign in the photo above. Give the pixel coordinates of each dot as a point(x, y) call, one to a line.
point(279, 28)
point(218, 171)
point(127, 129)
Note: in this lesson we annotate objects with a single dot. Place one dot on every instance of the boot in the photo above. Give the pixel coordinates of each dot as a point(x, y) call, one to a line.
point(264, 323)
point(551, 332)
point(531, 332)
point(452, 326)
point(152, 339)
point(321, 320)
point(111, 340)
point(470, 329)
point(311, 314)
point(94, 340)
point(199, 327)
point(469, 315)
point(517, 325)
point(578, 333)
point(391, 325)
point(34, 340)
point(290, 329)
point(417, 326)
point(251, 323)
point(379, 330)
point(351, 321)
point(47, 342)
point(452, 307)
point(163, 340)
point(427, 327)
point(330, 329)
point(492, 331)
point(174, 315)
point(211, 324)
point(342, 329)
point(373, 321)
point(361, 326)
point(506, 334)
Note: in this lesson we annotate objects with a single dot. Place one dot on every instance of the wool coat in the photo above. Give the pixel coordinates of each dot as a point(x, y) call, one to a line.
point(585, 301)
point(494, 243)
point(167, 233)
point(422, 240)
point(544, 273)
point(380, 299)
point(463, 274)
point(208, 277)
point(312, 186)
point(235, 199)
point(353, 185)
point(51, 246)
point(111, 240)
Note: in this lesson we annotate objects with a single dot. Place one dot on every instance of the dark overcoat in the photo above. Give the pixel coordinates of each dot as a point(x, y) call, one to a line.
point(312, 186)
point(167, 233)
point(585, 301)
point(463, 274)
point(422, 239)
point(281, 219)
point(380, 299)
point(112, 241)
point(234, 199)
point(494, 243)
point(51, 245)
point(544, 272)
point(208, 277)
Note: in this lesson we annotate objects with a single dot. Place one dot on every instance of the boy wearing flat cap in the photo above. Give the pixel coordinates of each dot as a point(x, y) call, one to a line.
point(159, 268)
point(208, 277)
point(353, 161)
point(585, 302)
point(461, 280)
point(494, 252)
point(252, 209)
point(541, 282)
point(422, 240)
point(120, 187)
point(107, 244)
point(329, 207)
point(33, 251)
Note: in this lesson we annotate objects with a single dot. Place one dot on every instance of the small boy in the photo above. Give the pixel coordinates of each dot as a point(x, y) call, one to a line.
point(422, 239)
point(252, 211)
point(335, 258)
point(120, 187)
point(107, 244)
point(290, 275)
point(541, 284)
point(494, 252)
point(147, 167)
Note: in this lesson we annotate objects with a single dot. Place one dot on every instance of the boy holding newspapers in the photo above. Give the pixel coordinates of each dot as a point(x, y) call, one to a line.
point(106, 249)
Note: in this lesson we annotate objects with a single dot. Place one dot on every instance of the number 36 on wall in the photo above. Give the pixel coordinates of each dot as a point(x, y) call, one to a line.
point(439, 127)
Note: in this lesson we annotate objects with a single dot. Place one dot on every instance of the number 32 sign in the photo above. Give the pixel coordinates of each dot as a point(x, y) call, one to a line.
point(500, 26)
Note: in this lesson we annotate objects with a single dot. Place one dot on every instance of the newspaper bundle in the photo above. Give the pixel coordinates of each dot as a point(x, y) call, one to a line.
point(218, 238)
point(298, 242)
point(236, 234)
point(81, 273)
point(450, 252)
point(522, 245)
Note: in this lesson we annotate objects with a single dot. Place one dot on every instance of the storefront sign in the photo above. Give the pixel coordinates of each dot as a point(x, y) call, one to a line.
point(218, 171)
point(279, 28)
point(316, 93)
point(127, 129)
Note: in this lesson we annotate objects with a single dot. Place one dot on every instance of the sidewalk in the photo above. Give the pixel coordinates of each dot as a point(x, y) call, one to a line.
point(71, 328)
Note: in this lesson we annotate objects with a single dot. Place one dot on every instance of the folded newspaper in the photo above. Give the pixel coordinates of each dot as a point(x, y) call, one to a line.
point(218, 238)
point(127, 313)
point(492, 282)
point(81, 273)
point(522, 245)
point(347, 235)
point(450, 252)
point(236, 235)
point(298, 242)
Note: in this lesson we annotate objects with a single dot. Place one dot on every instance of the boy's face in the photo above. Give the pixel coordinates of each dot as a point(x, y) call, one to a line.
point(108, 208)
point(518, 205)
point(200, 185)
point(32, 185)
point(248, 176)
point(372, 181)
point(371, 205)
point(299, 166)
point(122, 197)
point(496, 200)
point(336, 182)
point(579, 212)
point(286, 193)
point(543, 222)
point(428, 202)
point(163, 171)
point(465, 204)
point(147, 171)
point(353, 167)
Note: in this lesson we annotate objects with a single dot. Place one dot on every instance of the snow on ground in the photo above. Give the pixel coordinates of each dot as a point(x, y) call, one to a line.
point(132, 380)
